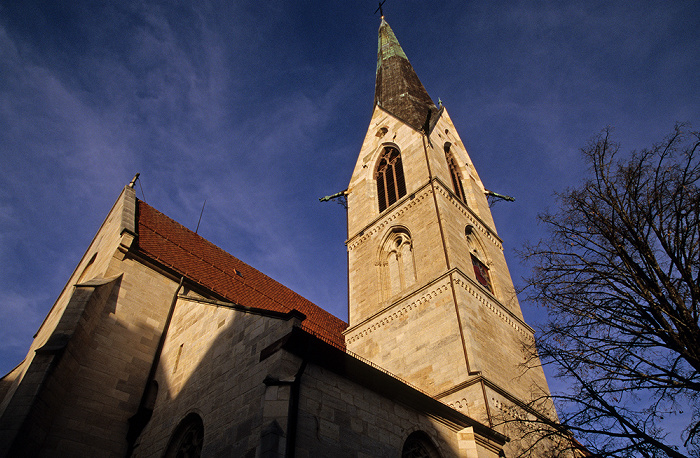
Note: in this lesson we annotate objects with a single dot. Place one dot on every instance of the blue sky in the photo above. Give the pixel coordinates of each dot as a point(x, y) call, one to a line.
point(260, 108)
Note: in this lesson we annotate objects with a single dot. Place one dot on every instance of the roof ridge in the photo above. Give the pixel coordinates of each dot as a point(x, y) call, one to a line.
point(170, 243)
point(240, 278)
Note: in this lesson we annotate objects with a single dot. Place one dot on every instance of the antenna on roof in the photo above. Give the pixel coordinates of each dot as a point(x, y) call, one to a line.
point(200, 216)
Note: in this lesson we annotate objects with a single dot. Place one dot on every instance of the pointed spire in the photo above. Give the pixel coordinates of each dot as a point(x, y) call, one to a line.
point(398, 89)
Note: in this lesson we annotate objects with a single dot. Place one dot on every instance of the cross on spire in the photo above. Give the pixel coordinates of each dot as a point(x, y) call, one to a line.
point(379, 8)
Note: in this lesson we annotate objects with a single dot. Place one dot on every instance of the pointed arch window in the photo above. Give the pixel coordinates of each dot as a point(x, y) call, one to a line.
point(187, 439)
point(477, 253)
point(398, 264)
point(419, 445)
point(454, 173)
point(391, 185)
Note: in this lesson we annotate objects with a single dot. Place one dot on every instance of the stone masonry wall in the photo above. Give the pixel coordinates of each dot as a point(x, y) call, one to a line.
point(367, 293)
point(109, 362)
point(211, 366)
point(417, 339)
point(495, 341)
point(101, 248)
point(342, 419)
point(97, 381)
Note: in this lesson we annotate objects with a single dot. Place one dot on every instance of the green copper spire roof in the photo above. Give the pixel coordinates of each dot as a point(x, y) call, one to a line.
point(398, 89)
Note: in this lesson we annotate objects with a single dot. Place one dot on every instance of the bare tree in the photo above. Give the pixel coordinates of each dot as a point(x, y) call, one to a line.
point(620, 277)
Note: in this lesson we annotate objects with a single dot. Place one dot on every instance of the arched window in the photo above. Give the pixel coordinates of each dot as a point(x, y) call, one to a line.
point(477, 252)
point(391, 185)
point(454, 173)
point(186, 441)
point(419, 445)
point(397, 262)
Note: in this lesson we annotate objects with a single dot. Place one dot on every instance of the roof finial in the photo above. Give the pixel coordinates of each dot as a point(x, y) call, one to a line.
point(379, 8)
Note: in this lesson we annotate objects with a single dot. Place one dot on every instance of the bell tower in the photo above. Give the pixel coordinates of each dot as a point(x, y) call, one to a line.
point(430, 296)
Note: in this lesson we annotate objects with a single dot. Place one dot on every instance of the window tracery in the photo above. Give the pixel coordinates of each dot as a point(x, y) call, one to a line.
point(397, 262)
point(391, 185)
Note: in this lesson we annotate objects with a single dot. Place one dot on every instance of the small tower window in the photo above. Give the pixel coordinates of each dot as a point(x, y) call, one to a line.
point(454, 173)
point(482, 273)
point(391, 185)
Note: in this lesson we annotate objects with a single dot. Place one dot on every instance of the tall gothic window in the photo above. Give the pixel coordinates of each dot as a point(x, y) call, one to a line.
point(391, 185)
point(454, 173)
point(398, 265)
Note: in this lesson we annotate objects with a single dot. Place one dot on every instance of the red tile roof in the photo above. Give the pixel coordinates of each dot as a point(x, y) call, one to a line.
point(199, 260)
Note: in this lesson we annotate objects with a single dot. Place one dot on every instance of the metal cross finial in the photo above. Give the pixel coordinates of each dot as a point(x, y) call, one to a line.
point(379, 8)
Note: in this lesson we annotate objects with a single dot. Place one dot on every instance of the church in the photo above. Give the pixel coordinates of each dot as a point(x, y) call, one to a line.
point(162, 344)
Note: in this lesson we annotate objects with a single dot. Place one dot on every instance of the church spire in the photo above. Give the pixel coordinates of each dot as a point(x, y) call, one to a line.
point(398, 89)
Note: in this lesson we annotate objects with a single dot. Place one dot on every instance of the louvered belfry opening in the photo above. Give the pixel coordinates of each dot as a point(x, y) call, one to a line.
point(391, 185)
point(456, 176)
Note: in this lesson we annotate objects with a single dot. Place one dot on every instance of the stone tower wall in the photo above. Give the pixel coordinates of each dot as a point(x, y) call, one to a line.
point(369, 291)
point(447, 333)
point(417, 338)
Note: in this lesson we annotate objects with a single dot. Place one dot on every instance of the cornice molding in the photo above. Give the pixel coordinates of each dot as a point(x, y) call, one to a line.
point(442, 189)
point(473, 288)
point(397, 310)
point(430, 291)
point(385, 219)
point(513, 406)
point(413, 199)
